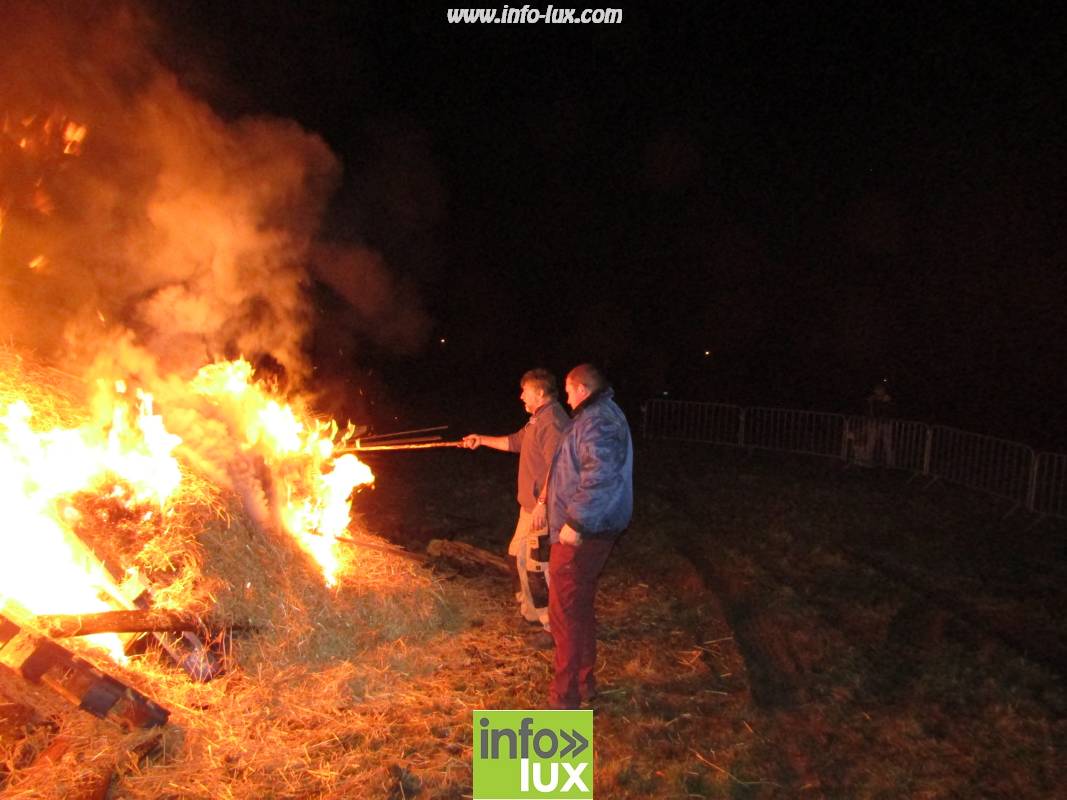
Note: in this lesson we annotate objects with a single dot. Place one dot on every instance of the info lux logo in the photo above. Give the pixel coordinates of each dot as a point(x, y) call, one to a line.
point(533, 754)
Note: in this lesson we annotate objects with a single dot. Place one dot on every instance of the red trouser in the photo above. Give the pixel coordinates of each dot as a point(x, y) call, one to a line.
point(573, 573)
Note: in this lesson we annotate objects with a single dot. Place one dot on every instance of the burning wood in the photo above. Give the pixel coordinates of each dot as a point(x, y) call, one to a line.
point(43, 662)
point(408, 446)
point(61, 626)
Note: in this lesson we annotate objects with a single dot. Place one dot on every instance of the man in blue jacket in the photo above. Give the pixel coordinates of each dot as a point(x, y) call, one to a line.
point(590, 502)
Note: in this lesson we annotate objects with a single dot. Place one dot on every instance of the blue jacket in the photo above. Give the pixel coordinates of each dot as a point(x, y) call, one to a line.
point(590, 486)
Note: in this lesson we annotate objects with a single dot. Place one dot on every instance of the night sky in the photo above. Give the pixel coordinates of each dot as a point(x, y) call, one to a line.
point(816, 199)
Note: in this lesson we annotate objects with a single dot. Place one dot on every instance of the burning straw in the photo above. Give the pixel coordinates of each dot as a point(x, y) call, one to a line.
point(306, 704)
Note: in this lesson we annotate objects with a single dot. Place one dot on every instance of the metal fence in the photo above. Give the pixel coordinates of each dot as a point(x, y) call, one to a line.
point(1049, 494)
point(793, 431)
point(996, 466)
point(693, 422)
point(1036, 481)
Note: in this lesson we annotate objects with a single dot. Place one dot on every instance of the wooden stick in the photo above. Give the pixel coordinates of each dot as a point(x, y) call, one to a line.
point(402, 433)
point(469, 555)
point(423, 446)
point(60, 626)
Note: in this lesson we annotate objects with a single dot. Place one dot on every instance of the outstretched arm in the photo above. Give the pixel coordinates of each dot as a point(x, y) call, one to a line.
point(473, 441)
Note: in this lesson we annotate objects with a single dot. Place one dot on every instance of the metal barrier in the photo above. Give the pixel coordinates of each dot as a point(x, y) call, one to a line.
point(996, 466)
point(1049, 492)
point(891, 443)
point(693, 422)
point(794, 431)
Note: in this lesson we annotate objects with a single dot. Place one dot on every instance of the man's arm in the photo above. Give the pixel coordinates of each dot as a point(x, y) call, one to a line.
point(473, 441)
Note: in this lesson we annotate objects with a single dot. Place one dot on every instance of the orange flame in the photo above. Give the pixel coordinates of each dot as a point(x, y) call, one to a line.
point(314, 487)
point(46, 569)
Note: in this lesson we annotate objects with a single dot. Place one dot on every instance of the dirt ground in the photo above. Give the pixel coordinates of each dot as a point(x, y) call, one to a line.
point(782, 627)
point(771, 627)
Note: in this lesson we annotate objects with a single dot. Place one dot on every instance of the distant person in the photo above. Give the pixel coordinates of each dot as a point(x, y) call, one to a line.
point(590, 502)
point(536, 443)
point(879, 411)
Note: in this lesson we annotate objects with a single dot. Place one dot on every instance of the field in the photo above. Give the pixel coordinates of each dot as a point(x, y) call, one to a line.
point(783, 627)
point(770, 627)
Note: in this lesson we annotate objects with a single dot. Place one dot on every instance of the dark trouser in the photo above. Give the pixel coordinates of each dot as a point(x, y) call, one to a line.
point(573, 573)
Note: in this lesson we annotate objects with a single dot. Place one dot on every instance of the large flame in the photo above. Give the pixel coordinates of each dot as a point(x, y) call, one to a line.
point(44, 567)
point(127, 454)
point(144, 235)
point(312, 487)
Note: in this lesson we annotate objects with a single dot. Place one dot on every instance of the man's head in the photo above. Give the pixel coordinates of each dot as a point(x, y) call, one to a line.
point(538, 387)
point(582, 381)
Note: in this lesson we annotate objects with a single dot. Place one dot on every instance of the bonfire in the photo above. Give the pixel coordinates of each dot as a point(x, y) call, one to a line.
point(186, 588)
point(287, 617)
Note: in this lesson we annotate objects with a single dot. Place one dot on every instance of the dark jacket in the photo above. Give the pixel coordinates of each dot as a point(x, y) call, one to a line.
point(590, 486)
point(536, 443)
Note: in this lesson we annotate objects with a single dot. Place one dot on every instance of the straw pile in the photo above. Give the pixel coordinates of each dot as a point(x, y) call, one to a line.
point(326, 693)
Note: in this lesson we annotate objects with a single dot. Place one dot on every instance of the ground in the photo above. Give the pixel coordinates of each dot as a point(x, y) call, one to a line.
point(771, 627)
point(784, 627)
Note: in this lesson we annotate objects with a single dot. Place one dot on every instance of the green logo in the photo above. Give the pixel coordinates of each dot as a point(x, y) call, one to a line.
point(533, 754)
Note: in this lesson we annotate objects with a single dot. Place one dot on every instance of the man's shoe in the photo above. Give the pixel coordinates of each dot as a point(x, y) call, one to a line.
point(542, 640)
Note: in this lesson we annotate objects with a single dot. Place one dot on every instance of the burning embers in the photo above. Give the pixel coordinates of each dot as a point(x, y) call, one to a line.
point(84, 503)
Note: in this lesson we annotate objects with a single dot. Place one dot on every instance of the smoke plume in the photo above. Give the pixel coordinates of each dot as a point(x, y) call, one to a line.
point(131, 209)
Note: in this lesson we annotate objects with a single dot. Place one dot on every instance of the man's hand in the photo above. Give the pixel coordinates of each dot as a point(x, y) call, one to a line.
point(471, 441)
point(569, 535)
point(539, 518)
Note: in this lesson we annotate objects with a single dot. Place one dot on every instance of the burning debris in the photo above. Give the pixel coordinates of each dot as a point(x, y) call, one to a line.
point(167, 505)
point(143, 551)
point(41, 661)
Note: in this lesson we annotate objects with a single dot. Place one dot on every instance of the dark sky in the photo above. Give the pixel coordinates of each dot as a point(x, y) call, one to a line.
point(819, 199)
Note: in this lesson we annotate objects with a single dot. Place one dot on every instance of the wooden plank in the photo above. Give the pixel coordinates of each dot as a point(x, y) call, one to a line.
point(43, 662)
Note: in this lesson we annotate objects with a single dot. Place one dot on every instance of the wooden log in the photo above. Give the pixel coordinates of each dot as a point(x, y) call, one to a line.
point(61, 626)
point(468, 555)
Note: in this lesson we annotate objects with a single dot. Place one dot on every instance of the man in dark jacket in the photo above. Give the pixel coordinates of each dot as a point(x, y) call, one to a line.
point(590, 502)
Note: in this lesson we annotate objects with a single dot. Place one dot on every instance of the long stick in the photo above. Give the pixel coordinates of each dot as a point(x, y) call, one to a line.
point(403, 433)
point(422, 446)
point(393, 442)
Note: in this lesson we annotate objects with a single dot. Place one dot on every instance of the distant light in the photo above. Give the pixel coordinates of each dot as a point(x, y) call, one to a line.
point(707, 353)
point(443, 340)
point(665, 394)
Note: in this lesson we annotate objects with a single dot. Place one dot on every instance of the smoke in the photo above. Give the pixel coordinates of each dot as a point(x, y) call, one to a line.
point(187, 233)
point(387, 309)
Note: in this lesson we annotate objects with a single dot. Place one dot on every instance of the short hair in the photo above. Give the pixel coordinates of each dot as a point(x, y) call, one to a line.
point(588, 376)
point(541, 379)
